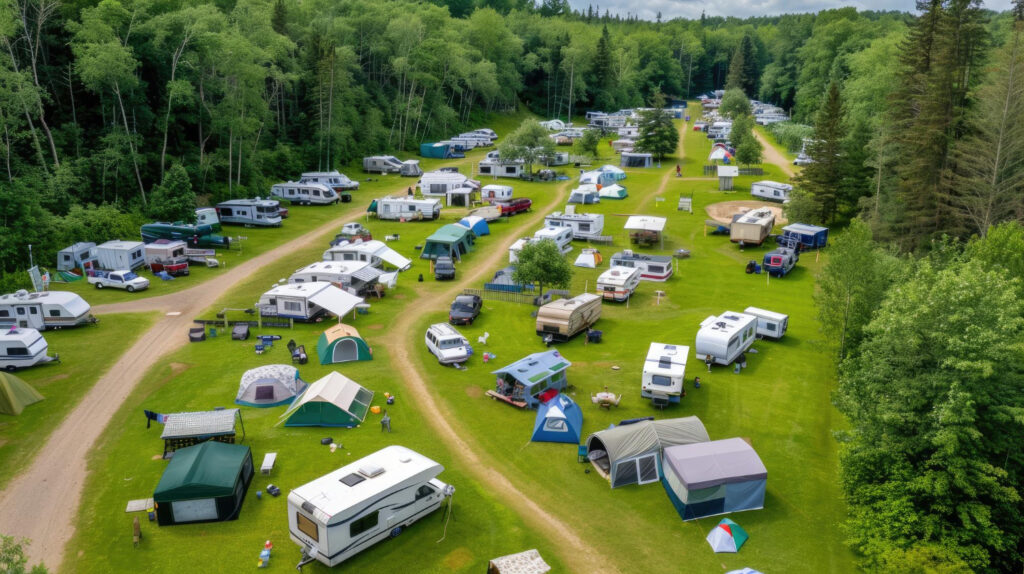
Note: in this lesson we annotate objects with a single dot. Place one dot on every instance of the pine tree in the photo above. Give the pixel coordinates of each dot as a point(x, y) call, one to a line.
point(743, 67)
point(604, 97)
point(658, 135)
point(279, 19)
point(821, 179)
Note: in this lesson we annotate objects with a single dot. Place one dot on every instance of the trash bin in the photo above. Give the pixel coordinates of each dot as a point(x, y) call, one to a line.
point(213, 332)
point(594, 336)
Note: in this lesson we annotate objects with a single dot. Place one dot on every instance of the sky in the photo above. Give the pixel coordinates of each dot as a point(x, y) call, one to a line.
point(648, 9)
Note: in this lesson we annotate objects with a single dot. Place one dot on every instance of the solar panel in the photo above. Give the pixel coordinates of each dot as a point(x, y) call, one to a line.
point(665, 363)
point(351, 479)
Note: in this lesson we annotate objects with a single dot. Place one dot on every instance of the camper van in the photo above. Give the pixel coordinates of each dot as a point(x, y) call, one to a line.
point(337, 181)
point(44, 310)
point(121, 255)
point(780, 261)
point(375, 252)
point(583, 225)
point(447, 344)
point(167, 255)
point(753, 227)
point(307, 301)
point(406, 208)
point(78, 256)
point(770, 325)
point(561, 320)
point(618, 283)
point(771, 190)
point(495, 193)
point(200, 235)
point(724, 338)
point(342, 513)
point(250, 212)
point(356, 277)
point(652, 267)
point(305, 193)
point(383, 164)
point(21, 348)
point(664, 373)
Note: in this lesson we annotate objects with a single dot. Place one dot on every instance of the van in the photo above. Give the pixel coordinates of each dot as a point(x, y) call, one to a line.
point(447, 344)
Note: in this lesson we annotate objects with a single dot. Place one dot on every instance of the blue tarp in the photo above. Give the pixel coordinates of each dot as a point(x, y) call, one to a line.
point(558, 420)
point(476, 224)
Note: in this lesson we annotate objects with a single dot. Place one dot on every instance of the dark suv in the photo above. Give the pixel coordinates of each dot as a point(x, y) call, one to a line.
point(465, 309)
point(444, 268)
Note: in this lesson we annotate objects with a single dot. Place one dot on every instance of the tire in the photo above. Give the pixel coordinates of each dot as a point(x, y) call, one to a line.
point(99, 285)
point(130, 289)
point(395, 532)
point(10, 368)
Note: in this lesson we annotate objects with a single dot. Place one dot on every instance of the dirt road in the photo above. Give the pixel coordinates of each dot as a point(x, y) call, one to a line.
point(772, 155)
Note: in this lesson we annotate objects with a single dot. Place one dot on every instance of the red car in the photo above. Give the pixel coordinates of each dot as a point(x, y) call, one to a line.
point(514, 206)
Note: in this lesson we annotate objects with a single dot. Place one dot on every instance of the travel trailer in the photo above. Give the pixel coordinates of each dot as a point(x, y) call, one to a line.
point(250, 212)
point(78, 256)
point(167, 255)
point(21, 348)
point(305, 193)
point(447, 344)
point(618, 283)
point(583, 225)
point(724, 338)
point(200, 235)
point(771, 190)
point(652, 267)
point(561, 320)
point(770, 325)
point(496, 192)
point(448, 185)
point(337, 181)
point(562, 236)
point(342, 513)
point(357, 277)
point(121, 255)
point(664, 373)
point(554, 159)
point(406, 208)
point(498, 168)
point(375, 252)
point(44, 310)
point(753, 227)
point(307, 301)
point(383, 164)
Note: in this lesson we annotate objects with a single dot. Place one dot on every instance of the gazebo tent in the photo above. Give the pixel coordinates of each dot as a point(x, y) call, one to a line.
point(16, 394)
point(342, 343)
point(269, 386)
point(204, 483)
point(631, 454)
point(476, 224)
point(613, 191)
point(450, 240)
point(714, 477)
point(558, 420)
point(333, 401)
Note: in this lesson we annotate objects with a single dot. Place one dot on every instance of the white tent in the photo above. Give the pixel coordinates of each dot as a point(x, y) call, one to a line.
point(336, 300)
point(589, 258)
point(333, 401)
point(645, 223)
point(269, 386)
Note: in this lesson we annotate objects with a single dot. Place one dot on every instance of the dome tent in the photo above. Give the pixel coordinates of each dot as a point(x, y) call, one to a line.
point(16, 394)
point(269, 386)
point(342, 343)
point(558, 420)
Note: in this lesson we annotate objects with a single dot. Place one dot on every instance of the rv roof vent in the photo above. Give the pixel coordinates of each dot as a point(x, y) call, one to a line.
point(371, 470)
point(405, 459)
point(627, 252)
point(665, 363)
point(670, 349)
point(720, 325)
point(731, 317)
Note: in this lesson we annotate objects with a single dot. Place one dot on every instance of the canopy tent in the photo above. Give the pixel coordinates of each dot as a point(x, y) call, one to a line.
point(342, 343)
point(727, 536)
point(269, 386)
point(589, 258)
point(631, 454)
point(613, 191)
point(714, 477)
point(335, 300)
point(645, 223)
point(614, 172)
point(204, 483)
point(449, 241)
point(558, 420)
point(333, 401)
point(528, 562)
point(476, 224)
point(16, 394)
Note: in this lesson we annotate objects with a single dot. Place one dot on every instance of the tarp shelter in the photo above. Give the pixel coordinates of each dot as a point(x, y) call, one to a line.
point(631, 159)
point(714, 477)
point(631, 454)
point(589, 258)
point(476, 224)
point(533, 376)
point(807, 236)
point(333, 401)
point(613, 191)
point(528, 562)
point(186, 429)
point(558, 420)
point(727, 536)
point(614, 172)
point(269, 386)
point(204, 483)
point(342, 343)
point(16, 394)
point(450, 241)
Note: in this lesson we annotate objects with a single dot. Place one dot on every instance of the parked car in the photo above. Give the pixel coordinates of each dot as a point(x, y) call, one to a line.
point(124, 279)
point(465, 309)
point(447, 344)
point(444, 268)
point(514, 206)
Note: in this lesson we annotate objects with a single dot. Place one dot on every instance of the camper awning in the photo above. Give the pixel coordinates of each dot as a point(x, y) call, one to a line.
point(367, 274)
point(393, 257)
point(335, 300)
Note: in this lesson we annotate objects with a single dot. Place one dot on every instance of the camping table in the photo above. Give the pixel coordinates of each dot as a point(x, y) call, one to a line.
point(268, 462)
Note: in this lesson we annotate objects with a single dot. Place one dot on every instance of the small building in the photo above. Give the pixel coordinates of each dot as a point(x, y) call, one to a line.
point(632, 454)
point(79, 256)
point(476, 224)
point(120, 255)
point(532, 380)
point(341, 344)
point(726, 173)
point(450, 241)
point(715, 477)
point(635, 159)
point(645, 229)
point(558, 420)
point(269, 386)
point(333, 401)
point(805, 236)
point(584, 225)
point(376, 253)
point(204, 483)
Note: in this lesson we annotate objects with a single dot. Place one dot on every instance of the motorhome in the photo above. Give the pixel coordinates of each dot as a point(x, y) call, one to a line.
point(495, 192)
point(208, 216)
point(121, 255)
point(167, 255)
point(305, 193)
point(357, 277)
point(753, 227)
point(583, 225)
point(770, 325)
point(195, 235)
point(771, 190)
point(345, 512)
point(44, 310)
point(21, 348)
point(406, 208)
point(561, 320)
point(724, 338)
point(250, 212)
point(335, 180)
point(664, 373)
point(78, 256)
point(618, 283)
point(652, 267)
point(307, 301)
point(447, 344)
point(375, 252)
point(383, 164)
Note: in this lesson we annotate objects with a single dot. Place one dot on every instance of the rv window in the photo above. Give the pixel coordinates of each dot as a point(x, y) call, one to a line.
point(655, 268)
point(510, 170)
point(67, 257)
point(226, 212)
point(33, 311)
point(21, 310)
point(368, 522)
point(137, 254)
point(451, 343)
point(732, 343)
point(53, 313)
point(424, 491)
point(5, 313)
point(17, 352)
point(292, 306)
point(411, 207)
point(584, 227)
point(550, 328)
point(661, 380)
point(770, 326)
point(307, 527)
point(316, 193)
point(485, 169)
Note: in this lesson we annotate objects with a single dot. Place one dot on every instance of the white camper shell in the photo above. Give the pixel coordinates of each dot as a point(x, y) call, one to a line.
point(356, 277)
point(726, 337)
point(770, 325)
point(771, 190)
point(753, 227)
point(340, 514)
point(496, 192)
point(78, 256)
point(562, 236)
point(121, 255)
point(250, 212)
point(408, 208)
point(307, 301)
point(618, 283)
point(383, 164)
point(21, 348)
point(664, 373)
point(374, 252)
point(652, 267)
point(44, 310)
point(305, 193)
point(583, 225)
point(332, 179)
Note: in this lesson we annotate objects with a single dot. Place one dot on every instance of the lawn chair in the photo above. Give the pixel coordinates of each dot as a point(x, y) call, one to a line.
point(298, 352)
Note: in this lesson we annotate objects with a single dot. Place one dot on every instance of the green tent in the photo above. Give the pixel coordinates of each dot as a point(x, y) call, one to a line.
point(16, 394)
point(333, 401)
point(342, 343)
point(204, 483)
point(449, 240)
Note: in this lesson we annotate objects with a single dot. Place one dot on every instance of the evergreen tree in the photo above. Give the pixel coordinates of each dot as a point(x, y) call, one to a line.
point(821, 179)
point(173, 200)
point(279, 19)
point(603, 78)
point(743, 72)
point(658, 135)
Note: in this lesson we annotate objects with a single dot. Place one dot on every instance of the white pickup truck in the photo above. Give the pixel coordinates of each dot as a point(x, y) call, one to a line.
point(126, 280)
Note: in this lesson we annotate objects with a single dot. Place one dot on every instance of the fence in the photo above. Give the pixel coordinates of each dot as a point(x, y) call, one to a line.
point(520, 298)
point(266, 323)
point(712, 170)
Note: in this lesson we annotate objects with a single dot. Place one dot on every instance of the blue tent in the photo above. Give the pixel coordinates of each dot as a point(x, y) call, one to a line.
point(717, 477)
point(558, 420)
point(808, 236)
point(476, 224)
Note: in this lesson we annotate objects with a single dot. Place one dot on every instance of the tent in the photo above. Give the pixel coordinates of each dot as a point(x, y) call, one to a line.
point(333, 401)
point(613, 191)
point(727, 536)
point(589, 258)
point(719, 153)
point(807, 236)
point(269, 386)
point(616, 173)
point(714, 477)
point(476, 224)
point(631, 454)
point(204, 483)
point(449, 241)
point(342, 343)
point(558, 420)
point(585, 194)
point(629, 159)
point(16, 394)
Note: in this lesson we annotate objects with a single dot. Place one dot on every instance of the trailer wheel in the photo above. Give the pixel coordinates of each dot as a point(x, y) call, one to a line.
point(395, 532)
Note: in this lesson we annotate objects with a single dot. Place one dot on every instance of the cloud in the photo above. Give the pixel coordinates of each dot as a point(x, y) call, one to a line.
point(691, 9)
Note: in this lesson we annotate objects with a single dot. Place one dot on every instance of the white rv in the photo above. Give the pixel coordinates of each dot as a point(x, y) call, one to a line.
point(771, 190)
point(356, 277)
point(652, 267)
point(516, 247)
point(208, 216)
point(305, 193)
point(499, 168)
point(488, 132)
point(407, 208)
point(332, 179)
point(121, 255)
point(618, 283)
point(583, 225)
point(496, 193)
point(44, 310)
point(447, 184)
point(629, 132)
point(307, 301)
point(375, 252)
point(78, 256)
point(250, 212)
point(349, 510)
point(726, 337)
point(21, 348)
point(554, 159)
point(664, 373)
point(770, 324)
point(390, 164)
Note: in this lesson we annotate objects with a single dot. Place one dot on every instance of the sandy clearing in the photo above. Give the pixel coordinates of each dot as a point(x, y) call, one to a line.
point(723, 211)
